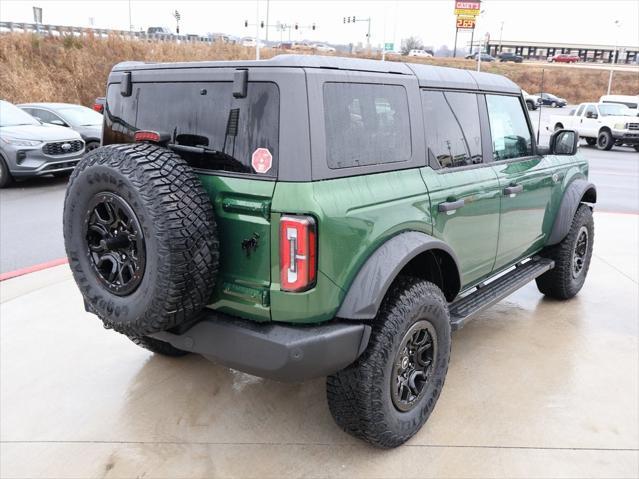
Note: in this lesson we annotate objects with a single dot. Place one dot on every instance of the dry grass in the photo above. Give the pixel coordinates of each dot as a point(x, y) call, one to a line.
point(73, 69)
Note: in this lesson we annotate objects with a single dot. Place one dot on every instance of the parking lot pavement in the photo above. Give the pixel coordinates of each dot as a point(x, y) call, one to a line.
point(536, 388)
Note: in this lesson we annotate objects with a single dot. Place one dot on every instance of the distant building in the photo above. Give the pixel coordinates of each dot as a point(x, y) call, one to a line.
point(543, 50)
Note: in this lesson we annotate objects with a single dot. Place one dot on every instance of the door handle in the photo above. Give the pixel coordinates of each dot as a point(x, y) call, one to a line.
point(513, 190)
point(450, 206)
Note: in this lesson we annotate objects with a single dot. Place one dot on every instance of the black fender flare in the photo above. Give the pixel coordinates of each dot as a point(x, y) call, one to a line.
point(366, 292)
point(577, 190)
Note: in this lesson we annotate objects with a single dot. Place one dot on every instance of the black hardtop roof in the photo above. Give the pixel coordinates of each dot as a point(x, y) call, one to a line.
point(427, 75)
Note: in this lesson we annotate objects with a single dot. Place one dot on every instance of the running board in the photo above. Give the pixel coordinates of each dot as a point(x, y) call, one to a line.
point(488, 294)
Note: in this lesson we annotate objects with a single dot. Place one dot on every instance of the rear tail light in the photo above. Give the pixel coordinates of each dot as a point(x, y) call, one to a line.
point(98, 107)
point(298, 253)
point(144, 135)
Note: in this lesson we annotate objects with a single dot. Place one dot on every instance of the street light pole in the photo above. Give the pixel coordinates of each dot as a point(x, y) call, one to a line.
point(614, 57)
point(257, 29)
point(130, 23)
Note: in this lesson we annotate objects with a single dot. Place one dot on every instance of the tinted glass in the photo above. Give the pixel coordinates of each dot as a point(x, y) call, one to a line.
point(591, 110)
point(511, 137)
point(45, 116)
point(452, 128)
point(80, 115)
point(366, 124)
point(204, 114)
point(579, 110)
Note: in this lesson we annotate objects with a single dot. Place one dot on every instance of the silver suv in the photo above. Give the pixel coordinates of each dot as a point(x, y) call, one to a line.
point(30, 148)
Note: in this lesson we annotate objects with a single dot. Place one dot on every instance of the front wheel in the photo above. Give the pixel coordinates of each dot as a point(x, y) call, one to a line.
point(553, 104)
point(571, 256)
point(605, 141)
point(387, 395)
point(5, 175)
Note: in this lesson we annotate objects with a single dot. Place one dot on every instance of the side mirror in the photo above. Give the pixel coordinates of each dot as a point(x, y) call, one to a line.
point(564, 142)
point(592, 115)
point(58, 122)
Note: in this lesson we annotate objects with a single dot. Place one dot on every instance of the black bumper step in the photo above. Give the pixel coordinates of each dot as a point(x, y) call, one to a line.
point(486, 295)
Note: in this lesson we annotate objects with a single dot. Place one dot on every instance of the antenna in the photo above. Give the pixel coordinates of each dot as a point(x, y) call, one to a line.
point(541, 104)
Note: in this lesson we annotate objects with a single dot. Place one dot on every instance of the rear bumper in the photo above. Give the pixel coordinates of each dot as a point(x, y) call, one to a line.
point(276, 351)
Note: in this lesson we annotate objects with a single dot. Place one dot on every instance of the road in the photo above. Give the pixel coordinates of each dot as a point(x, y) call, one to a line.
point(31, 211)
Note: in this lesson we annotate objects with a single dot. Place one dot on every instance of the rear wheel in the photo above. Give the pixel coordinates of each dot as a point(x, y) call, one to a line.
point(387, 395)
point(559, 126)
point(140, 236)
point(605, 141)
point(5, 175)
point(92, 145)
point(571, 256)
point(530, 105)
point(591, 141)
point(636, 147)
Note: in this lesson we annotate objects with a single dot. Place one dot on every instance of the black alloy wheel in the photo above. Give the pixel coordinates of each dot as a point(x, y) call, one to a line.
point(115, 243)
point(414, 363)
point(580, 252)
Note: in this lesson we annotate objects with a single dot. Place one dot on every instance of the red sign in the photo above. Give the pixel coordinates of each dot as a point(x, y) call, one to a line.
point(466, 22)
point(262, 160)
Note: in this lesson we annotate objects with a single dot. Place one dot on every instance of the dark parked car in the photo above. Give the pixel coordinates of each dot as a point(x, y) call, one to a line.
point(485, 57)
point(552, 100)
point(510, 57)
point(84, 120)
point(309, 216)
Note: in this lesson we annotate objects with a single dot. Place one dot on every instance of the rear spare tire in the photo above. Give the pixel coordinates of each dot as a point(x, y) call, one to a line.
point(141, 238)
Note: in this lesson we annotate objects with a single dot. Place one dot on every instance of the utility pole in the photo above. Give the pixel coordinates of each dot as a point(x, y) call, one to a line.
point(501, 31)
point(257, 29)
point(130, 23)
point(267, 24)
point(176, 14)
point(614, 56)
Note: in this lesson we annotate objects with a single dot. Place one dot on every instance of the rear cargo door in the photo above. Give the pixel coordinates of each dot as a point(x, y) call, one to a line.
point(238, 126)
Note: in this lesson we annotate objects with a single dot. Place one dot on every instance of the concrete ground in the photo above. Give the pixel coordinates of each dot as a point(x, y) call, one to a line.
point(536, 388)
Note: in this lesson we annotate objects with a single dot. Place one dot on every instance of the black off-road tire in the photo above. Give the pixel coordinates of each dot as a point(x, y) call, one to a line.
point(605, 141)
point(591, 141)
point(177, 258)
point(6, 179)
point(360, 397)
point(636, 147)
point(158, 347)
point(91, 145)
point(560, 282)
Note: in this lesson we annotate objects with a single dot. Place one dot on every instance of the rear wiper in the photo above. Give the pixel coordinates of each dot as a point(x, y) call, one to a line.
point(198, 150)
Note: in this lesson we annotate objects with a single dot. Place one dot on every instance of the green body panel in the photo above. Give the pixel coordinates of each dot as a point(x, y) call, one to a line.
point(356, 215)
point(242, 213)
point(471, 231)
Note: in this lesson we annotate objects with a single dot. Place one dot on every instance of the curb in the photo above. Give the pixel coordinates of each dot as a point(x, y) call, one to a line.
point(33, 269)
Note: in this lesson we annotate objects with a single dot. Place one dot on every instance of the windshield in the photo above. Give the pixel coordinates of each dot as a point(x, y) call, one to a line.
point(612, 109)
point(11, 115)
point(80, 115)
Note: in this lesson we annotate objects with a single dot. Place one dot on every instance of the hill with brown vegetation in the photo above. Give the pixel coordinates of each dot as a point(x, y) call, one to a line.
point(75, 69)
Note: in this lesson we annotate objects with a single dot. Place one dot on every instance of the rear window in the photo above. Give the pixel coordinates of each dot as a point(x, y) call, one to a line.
point(366, 124)
point(206, 115)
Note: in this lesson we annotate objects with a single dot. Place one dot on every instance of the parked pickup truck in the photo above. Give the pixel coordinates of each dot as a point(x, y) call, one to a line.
point(601, 124)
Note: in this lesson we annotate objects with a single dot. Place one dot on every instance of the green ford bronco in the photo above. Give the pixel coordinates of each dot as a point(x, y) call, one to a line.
point(309, 216)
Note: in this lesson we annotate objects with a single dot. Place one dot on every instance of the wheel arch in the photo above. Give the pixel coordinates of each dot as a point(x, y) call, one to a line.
point(580, 190)
point(411, 252)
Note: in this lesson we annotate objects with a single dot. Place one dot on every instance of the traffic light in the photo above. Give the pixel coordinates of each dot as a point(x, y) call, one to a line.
point(262, 24)
point(297, 26)
point(313, 26)
point(246, 23)
point(344, 19)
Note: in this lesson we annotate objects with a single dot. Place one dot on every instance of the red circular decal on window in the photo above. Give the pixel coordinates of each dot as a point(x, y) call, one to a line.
point(262, 160)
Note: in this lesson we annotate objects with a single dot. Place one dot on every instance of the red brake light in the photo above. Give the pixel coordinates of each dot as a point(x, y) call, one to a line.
point(298, 253)
point(97, 107)
point(144, 135)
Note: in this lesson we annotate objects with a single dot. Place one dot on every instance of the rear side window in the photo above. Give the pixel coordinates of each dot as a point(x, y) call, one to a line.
point(207, 115)
point(509, 130)
point(366, 124)
point(452, 128)
point(579, 110)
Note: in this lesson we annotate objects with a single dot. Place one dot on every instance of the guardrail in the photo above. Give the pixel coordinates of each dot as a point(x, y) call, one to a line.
point(60, 30)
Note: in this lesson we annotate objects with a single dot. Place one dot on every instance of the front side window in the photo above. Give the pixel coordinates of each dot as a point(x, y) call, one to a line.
point(511, 137)
point(46, 116)
point(452, 128)
point(366, 124)
point(591, 111)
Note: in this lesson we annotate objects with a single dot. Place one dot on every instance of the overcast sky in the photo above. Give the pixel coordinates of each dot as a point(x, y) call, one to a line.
point(579, 21)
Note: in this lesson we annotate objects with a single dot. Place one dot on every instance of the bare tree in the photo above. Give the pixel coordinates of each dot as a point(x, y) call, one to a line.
point(411, 43)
